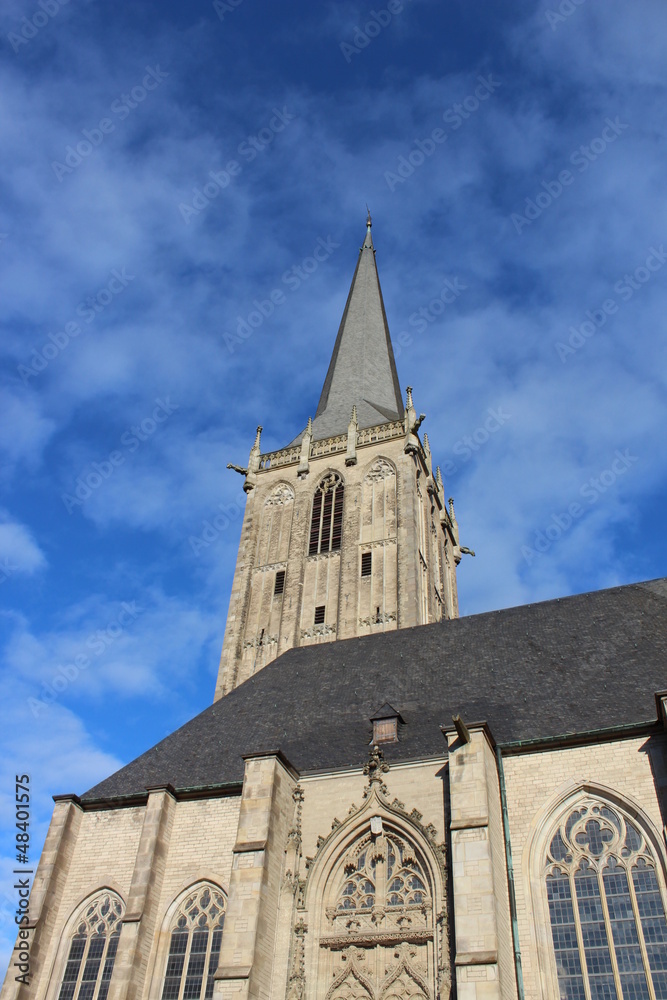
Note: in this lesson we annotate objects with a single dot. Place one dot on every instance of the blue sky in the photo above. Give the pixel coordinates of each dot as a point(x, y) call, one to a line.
point(164, 165)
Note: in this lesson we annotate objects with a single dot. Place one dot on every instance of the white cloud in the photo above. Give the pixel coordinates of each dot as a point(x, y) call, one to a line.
point(19, 553)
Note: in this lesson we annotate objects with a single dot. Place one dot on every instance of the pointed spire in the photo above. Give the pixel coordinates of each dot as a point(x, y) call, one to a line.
point(362, 371)
point(253, 463)
point(440, 489)
point(427, 453)
point(459, 550)
point(304, 458)
point(368, 242)
point(352, 431)
point(455, 524)
point(412, 423)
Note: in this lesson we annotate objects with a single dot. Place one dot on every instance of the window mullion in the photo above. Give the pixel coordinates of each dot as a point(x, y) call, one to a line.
point(640, 932)
point(381, 883)
point(580, 938)
point(610, 934)
point(319, 533)
point(186, 962)
point(207, 962)
point(207, 959)
point(100, 971)
point(84, 959)
point(331, 522)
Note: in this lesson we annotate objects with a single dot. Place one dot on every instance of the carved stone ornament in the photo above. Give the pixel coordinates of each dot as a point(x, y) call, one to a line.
point(282, 495)
point(258, 641)
point(296, 986)
point(375, 766)
point(315, 630)
point(352, 977)
point(380, 470)
point(383, 931)
point(381, 619)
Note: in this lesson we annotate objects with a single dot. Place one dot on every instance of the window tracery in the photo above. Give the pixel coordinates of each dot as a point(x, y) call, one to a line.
point(326, 525)
point(280, 496)
point(379, 936)
point(194, 947)
point(92, 950)
point(275, 526)
point(398, 882)
point(381, 469)
point(606, 908)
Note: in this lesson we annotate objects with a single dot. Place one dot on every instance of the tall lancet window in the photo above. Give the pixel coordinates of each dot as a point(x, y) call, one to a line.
point(326, 526)
point(606, 907)
point(194, 947)
point(92, 950)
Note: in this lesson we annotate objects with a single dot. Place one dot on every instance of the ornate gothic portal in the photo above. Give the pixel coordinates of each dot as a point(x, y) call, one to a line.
point(374, 896)
point(379, 933)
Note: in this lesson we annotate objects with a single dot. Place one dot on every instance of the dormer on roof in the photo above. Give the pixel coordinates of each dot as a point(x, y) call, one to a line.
point(385, 724)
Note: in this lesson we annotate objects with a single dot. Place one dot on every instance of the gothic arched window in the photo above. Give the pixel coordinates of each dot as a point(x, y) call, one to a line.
point(194, 946)
point(606, 908)
point(382, 872)
point(92, 950)
point(378, 937)
point(326, 525)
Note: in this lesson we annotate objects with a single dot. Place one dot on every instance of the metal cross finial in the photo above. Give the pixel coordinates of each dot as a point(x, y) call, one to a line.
point(369, 222)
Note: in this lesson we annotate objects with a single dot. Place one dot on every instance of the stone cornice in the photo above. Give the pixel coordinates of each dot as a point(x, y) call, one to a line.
point(331, 446)
point(368, 939)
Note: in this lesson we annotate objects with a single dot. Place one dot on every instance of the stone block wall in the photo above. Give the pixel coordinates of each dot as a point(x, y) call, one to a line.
point(388, 511)
point(148, 854)
point(631, 771)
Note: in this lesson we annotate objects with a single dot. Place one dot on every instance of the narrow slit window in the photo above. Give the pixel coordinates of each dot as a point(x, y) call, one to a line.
point(319, 615)
point(366, 563)
point(280, 582)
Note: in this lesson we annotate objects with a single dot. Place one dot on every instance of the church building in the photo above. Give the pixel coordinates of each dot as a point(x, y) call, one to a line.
point(384, 801)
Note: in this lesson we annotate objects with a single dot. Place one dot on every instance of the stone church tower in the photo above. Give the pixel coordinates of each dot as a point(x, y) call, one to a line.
point(474, 809)
point(346, 530)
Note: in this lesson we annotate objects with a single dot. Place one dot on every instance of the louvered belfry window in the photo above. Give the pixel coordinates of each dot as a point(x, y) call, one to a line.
point(326, 526)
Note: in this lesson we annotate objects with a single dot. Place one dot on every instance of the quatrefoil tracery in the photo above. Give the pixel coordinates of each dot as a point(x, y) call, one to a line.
point(403, 885)
point(595, 833)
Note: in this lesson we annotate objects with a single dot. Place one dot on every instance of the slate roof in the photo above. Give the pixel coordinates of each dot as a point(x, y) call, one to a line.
point(362, 371)
point(573, 665)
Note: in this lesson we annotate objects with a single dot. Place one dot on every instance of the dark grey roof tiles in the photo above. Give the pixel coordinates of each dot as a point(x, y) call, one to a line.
point(386, 712)
point(567, 666)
